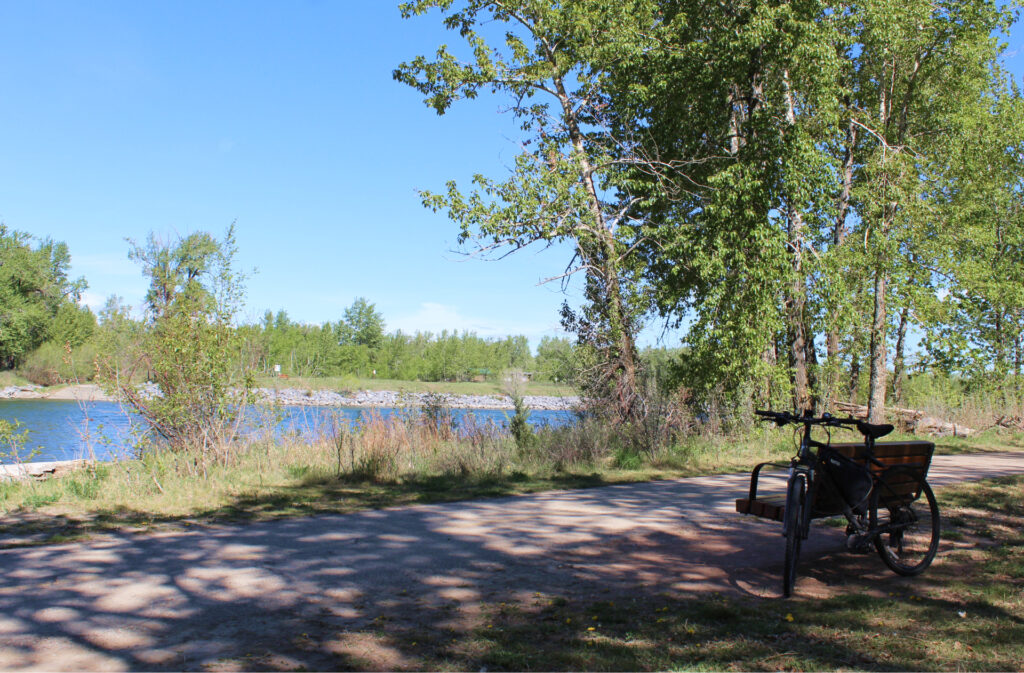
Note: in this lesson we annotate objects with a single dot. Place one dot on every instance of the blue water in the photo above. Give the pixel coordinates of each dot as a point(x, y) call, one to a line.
point(65, 430)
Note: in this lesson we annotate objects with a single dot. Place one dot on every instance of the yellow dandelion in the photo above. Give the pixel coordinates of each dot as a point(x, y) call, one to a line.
point(590, 628)
point(789, 617)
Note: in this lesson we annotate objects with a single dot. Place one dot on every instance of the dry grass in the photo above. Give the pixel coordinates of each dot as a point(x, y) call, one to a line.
point(406, 458)
point(9, 378)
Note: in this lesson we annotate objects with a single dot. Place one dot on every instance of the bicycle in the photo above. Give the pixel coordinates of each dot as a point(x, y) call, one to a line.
point(880, 488)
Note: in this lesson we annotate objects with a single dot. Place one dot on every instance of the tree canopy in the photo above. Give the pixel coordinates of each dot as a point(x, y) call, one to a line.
point(34, 289)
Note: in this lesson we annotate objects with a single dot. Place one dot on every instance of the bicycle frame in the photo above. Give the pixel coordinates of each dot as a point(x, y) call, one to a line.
point(808, 462)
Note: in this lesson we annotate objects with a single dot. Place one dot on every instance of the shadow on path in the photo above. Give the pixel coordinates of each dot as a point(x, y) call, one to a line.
point(311, 592)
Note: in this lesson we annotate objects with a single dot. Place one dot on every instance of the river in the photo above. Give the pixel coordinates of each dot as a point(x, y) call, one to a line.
point(65, 430)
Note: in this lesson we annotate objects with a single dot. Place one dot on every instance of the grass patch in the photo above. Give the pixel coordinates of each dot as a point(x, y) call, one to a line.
point(387, 463)
point(9, 378)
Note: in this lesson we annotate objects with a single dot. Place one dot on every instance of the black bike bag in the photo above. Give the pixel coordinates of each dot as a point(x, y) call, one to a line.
point(852, 478)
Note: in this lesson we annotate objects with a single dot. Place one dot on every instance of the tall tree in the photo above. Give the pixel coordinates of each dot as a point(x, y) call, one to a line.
point(365, 324)
point(34, 285)
point(747, 93)
point(976, 329)
point(190, 349)
point(919, 65)
point(552, 65)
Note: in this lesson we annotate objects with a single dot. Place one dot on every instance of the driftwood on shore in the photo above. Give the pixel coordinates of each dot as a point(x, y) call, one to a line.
point(912, 420)
point(41, 470)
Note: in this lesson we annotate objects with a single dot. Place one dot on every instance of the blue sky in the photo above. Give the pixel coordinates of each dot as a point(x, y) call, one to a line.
point(121, 118)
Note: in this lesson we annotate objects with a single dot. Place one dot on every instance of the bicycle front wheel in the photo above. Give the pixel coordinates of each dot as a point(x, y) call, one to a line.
point(794, 517)
point(905, 519)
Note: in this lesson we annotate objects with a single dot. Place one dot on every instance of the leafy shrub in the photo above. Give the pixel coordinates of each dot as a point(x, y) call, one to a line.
point(519, 425)
point(53, 363)
point(627, 459)
point(83, 490)
point(190, 349)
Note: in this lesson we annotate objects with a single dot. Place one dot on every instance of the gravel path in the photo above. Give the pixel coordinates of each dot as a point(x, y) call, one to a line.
point(217, 597)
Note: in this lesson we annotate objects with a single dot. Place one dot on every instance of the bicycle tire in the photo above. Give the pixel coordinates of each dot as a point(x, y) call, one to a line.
point(794, 515)
point(904, 509)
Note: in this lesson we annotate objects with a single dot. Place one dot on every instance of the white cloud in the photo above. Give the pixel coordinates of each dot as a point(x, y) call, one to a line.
point(92, 300)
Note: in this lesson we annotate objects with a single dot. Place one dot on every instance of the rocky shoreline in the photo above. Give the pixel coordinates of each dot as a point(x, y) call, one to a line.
point(321, 398)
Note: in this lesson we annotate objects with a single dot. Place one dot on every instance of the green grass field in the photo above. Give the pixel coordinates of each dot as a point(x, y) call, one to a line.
point(9, 378)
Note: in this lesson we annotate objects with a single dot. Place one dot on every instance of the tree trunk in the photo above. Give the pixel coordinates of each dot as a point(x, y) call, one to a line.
point(898, 368)
point(813, 372)
point(797, 298)
point(797, 337)
point(1018, 355)
point(838, 237)
point(768, 357)
point(879, 373)
point(853, 385)
point(622, 363)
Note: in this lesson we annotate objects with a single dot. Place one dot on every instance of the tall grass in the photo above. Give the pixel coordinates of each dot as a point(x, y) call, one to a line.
point(343, 466)
point(11, 378)
point(414, 456)
point(978, 404)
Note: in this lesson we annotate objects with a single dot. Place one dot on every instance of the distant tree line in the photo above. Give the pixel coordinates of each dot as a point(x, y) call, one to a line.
point(359, 345)
point(50, 338)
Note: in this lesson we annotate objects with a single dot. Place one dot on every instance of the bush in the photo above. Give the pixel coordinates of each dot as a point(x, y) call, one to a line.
point(519, 425)
point(190, 349)
point(53, 363)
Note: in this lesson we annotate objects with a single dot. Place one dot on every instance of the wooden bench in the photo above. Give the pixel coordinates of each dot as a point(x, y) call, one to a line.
point(916, 455)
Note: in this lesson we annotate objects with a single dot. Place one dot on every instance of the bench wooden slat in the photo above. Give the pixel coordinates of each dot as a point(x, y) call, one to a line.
point(767, 508)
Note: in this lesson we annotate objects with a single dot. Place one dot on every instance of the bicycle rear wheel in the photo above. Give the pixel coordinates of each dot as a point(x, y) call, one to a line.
point(906, 517)
point(794, 517)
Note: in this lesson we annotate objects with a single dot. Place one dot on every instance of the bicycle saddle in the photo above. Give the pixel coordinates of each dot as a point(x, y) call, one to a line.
point(874, 431)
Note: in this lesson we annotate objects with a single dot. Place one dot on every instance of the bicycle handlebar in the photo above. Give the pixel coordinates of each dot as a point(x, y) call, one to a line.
point(785, 417)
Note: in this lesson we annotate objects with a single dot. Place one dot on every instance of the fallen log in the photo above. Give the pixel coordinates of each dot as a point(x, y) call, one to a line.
point(41, 470)
point(912, 420)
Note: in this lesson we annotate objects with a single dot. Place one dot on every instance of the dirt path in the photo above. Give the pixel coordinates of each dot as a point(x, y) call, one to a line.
point(302, 593)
